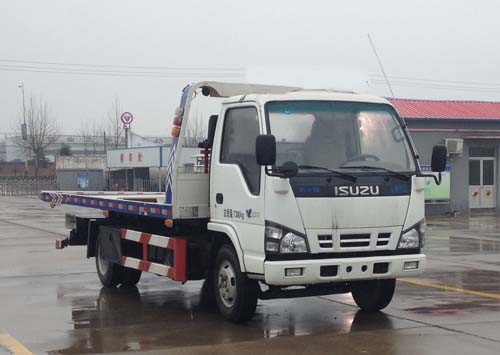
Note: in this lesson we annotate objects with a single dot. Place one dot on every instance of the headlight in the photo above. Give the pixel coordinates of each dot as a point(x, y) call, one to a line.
point(279, 239)
point(292, 243)
point(414, 237)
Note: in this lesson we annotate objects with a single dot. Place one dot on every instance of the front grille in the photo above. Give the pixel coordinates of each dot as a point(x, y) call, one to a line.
point(325, 240)
point(383, 239)
point(350, 241)
point(354, 240)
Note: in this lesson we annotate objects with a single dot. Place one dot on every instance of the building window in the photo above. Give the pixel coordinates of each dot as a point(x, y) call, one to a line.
point(482, 151)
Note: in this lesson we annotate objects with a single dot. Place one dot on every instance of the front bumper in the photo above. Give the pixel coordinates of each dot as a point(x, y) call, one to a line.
point(347, 269)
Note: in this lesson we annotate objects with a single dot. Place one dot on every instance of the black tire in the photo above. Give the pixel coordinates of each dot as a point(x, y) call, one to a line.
point(207, 295)
point(129, 277)
point(373, 295)
point(236, 295)
point(109, 273)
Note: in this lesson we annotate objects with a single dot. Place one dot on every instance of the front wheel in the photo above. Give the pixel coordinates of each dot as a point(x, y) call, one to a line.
point(373, 295)
point(236, 295)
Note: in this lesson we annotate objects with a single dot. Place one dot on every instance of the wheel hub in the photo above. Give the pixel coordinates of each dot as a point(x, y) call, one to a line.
point(103, 263)
point(227, 284)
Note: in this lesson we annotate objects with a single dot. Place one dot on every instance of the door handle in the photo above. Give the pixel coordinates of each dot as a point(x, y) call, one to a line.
point(219, 198)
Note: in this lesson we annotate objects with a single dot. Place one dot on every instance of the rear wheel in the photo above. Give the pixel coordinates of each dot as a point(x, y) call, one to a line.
point(373, 295)
point(109, 273)
point(236, 295)
point(129, 277)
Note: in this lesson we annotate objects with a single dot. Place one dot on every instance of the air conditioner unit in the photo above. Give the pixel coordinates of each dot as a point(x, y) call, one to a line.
point(454, 146)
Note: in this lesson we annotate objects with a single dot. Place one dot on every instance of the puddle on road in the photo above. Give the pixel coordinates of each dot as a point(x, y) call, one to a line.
point(477, 223)
point(443, 244)
point(476, 280)
point(128, 320)
point(438, 302)
point(457, 308)
point(473, 245)
point(118, 320)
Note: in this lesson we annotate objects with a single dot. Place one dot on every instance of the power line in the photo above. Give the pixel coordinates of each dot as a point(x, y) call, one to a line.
point(379, 77)
point(440, 86)
point(86, 71)
point(74, 71)
point(431, 84)
point(122, 66)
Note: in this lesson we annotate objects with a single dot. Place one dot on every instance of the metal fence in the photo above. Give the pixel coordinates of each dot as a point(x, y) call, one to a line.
point(137, 184)
point(26, 185)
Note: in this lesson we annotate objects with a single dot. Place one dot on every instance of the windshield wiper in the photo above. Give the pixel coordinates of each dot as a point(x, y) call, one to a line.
point(331, 171)
point(395, 173)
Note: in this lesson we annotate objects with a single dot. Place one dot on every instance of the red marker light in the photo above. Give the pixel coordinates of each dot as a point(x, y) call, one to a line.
point(177, 120)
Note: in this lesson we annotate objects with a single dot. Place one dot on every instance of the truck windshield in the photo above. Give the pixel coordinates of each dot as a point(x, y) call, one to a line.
point(339, 135)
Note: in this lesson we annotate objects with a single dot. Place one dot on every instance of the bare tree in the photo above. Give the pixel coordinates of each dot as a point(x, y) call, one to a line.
point(42, 130)
point(85, 133)
point(97, 133)
point(114, 125)
point(92, 135)
point(196, 130)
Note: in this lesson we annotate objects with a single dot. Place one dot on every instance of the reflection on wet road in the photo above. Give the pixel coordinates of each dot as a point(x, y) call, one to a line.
point(120, 320)
point(52, 302)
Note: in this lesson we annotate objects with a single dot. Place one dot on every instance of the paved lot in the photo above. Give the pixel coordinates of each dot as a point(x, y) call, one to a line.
point(52, 302)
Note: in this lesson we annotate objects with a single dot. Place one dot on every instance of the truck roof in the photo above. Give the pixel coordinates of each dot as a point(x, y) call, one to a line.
point(305, 94)
point(237, 92)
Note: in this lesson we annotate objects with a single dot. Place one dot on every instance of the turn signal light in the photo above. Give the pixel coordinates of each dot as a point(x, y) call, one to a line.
point(169, 223)
point(176, 131)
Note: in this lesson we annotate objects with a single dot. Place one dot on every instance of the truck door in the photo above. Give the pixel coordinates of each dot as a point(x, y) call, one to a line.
point(236, 191)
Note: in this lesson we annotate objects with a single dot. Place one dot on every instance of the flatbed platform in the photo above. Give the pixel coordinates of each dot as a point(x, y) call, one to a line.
point(136, 203)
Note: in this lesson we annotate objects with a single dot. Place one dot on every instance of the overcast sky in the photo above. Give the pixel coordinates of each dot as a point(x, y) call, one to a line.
point(444, 49)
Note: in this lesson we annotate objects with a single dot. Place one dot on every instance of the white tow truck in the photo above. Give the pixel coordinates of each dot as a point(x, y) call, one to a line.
point(303, 192)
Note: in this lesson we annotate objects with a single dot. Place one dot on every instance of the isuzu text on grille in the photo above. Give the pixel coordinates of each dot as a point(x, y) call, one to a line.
point(357, 190)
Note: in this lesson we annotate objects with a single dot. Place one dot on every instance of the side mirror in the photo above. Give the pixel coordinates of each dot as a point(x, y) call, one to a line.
point(265, 149)
point(438, 161)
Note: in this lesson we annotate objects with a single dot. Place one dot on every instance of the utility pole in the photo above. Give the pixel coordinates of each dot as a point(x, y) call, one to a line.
point(24, 133)
point(126, 134)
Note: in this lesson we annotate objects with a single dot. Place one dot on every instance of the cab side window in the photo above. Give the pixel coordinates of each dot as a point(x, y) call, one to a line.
point(241, 128)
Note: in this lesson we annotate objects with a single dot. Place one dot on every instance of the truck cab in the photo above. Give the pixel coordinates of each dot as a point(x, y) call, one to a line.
point(318, 187)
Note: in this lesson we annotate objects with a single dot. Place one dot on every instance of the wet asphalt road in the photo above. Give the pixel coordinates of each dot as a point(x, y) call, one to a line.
point(52, 302)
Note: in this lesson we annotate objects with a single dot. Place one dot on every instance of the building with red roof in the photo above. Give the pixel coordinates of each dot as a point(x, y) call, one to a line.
point(471, 132)
point(447, 110)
